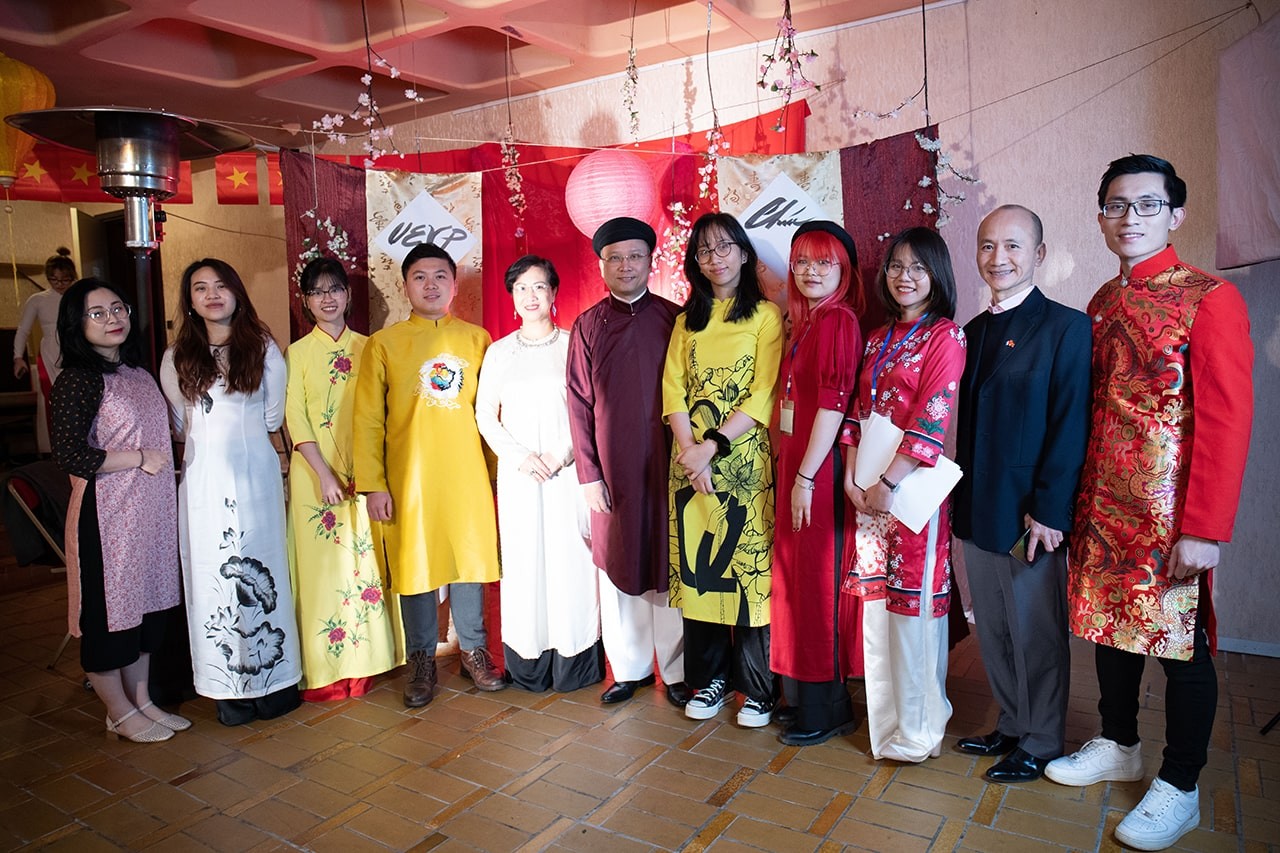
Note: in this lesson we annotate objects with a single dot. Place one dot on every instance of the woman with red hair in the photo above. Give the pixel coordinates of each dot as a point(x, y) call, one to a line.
point(817, 381)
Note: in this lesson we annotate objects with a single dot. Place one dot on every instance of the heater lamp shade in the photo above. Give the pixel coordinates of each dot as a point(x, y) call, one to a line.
point(22, 88)
point(607, 184)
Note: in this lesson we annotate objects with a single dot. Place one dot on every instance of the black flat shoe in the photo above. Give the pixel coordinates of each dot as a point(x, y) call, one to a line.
point(799, 737)
point(994, 743)
point(679, 694)
point(621, 691)
point(1017, 766)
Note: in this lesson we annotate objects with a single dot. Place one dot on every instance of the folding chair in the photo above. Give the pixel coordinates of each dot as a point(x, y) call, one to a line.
point(28, 500)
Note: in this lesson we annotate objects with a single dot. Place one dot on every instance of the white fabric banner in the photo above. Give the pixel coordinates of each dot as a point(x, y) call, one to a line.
point(408, 208)
point(772, 196)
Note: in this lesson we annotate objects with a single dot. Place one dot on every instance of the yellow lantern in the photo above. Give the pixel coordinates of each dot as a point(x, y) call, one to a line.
point(22, 88)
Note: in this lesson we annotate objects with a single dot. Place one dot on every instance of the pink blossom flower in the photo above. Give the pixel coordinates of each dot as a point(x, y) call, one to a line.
point(328, 520)
point(342, 364)
point(337, 635)
point(371, 594)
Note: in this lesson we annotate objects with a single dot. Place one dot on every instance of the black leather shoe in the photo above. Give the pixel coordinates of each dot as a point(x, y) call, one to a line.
point(989, 744)
point(1017, 766)
point(679, 694)
point(798, 737)
point(621, 691)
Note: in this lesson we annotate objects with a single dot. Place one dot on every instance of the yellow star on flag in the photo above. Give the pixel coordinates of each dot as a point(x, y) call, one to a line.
point(238, 178)
point(80, 172)
point(34, 171)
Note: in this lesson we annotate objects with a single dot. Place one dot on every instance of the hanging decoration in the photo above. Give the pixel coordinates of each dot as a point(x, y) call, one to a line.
point(716, 143)
point(942, 167)
point(606, 184)
point(671, 250)
point(631, 80)
point(376, 139)
point(511, 157)
point(22, 88)
point(789, 77)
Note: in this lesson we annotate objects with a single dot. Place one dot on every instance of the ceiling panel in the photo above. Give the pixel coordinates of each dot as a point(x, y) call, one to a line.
point(278, 65)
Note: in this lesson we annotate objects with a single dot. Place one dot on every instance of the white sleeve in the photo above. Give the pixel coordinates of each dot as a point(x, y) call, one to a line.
point(30, 311)
point(488, 403)
point(172, 393)
point(275, 380)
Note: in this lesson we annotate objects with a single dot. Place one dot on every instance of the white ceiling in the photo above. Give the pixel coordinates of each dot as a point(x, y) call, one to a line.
point(282, 64)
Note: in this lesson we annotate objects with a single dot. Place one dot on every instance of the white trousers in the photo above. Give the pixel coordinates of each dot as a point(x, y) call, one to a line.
point(905, 661)
point(635, 629)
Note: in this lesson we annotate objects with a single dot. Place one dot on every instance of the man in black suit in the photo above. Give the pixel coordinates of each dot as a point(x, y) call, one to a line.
point(1024, 420)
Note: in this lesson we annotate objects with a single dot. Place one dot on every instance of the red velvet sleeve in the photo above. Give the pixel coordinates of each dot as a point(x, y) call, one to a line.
point(838, 348)
point(1221, 356)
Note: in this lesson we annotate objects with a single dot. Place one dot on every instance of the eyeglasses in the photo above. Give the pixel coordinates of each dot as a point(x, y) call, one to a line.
point(101, 315)
point(61, 282)
point(539, 287)
point(618, 260)
point(822, 267)
point(334, 290)
point(720, 250)
point(915, 272)
point(1143, 207)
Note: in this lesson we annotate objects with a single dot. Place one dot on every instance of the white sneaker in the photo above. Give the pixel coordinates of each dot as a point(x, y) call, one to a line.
point(1099, 760)
point(708, 701)
point(755, 714)
point(1165, 814)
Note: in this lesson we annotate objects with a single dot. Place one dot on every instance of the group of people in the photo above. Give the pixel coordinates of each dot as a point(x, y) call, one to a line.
point(679, 490)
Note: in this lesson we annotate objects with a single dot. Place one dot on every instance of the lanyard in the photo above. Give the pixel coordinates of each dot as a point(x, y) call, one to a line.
point(882, 360)
point(791, 363)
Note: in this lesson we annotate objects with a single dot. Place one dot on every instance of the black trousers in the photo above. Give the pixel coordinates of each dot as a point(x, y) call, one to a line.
point(820, 705)
point(1191, 698)
point(738, 654)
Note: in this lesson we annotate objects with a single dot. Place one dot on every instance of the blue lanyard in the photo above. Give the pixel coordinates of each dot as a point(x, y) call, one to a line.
point(881, 360)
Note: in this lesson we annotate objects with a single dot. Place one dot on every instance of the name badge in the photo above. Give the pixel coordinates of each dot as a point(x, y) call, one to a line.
point(787, 418)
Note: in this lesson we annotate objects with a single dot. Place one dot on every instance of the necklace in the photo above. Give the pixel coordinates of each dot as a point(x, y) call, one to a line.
point(548, 340)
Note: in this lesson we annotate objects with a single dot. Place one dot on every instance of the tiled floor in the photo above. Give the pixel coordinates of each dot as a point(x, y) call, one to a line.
point(513, 770)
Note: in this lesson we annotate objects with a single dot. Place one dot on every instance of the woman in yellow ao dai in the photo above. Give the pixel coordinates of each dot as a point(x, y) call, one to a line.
point(349, 625)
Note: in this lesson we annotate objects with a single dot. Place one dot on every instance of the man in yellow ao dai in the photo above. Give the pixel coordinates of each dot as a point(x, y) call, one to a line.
point(419, 459)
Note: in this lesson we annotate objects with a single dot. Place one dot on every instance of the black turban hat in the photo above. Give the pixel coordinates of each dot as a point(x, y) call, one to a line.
point(835, 231)
point(622, 228)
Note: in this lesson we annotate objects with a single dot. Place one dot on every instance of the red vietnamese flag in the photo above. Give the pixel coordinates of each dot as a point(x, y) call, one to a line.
point(237, 176)
point(275, 181)
point(38, 175)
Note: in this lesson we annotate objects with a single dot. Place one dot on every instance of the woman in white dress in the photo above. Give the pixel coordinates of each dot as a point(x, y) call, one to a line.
point(225, 380)
point(42, 309)
point(550, 600)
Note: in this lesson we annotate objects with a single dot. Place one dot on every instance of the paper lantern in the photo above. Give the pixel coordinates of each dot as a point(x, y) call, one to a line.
point(607, 184)
point(22, 88)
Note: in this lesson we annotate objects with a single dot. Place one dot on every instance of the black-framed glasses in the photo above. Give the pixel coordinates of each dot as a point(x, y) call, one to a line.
point(1143, 207)
point(821, 267)
point(915, 272)
point(720, 250)
point(102, 315)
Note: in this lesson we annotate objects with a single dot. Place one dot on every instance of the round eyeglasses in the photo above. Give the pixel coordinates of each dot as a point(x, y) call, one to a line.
point(915, 272)
point(102, 315)
point(332, 290)
point(720, 250)
point(821, 267)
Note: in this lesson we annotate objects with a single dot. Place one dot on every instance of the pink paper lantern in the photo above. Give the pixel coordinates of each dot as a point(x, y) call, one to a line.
point(607, 184)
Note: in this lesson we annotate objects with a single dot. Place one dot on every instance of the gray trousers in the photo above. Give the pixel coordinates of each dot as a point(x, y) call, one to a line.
point(1021, 617)
point(422, 621)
